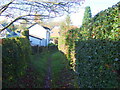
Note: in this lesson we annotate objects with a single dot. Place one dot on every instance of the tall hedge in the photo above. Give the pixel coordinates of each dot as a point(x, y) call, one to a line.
point(104, 25)
point(71, 36)
point(15, 57)
point(87, 15)
point(96, 50)
point(98, 63)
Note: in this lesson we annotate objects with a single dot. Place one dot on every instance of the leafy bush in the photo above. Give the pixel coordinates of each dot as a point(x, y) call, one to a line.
point(71, 37)
point(38, 49)
point(95, 46)
point(97, 63)
point(51, 44)
point(15, 57)
point(105, 25)
point(26, 33)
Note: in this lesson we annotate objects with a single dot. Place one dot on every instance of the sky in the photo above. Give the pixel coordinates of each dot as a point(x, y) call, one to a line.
point(95, 5)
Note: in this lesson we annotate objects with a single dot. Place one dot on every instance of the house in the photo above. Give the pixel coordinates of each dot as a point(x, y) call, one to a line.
point(39, 35)
point(7, 33)
point(55, 34)
point(4, 33)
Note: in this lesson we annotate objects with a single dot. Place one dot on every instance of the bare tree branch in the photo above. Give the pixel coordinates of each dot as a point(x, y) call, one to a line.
point(19, 18)
point(27, 9)
point(5, 7)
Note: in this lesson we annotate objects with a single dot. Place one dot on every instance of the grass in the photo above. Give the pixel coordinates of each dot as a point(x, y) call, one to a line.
point(61, 75)
point(59, 62)
point(37, 70)
point(39, 63)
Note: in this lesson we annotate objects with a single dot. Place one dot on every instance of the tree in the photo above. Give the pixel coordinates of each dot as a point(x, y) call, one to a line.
point(87, 14)
point(26, 9)
point(64, 27)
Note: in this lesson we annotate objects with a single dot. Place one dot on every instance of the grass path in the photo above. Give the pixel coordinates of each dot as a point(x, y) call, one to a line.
point(48, 75)
point(49, 69)
point(62, 76)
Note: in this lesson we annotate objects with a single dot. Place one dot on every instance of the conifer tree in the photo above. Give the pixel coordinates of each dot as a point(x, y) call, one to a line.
point(87, 14)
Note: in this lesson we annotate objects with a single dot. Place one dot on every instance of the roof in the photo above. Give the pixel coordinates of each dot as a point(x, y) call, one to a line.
point(46, 27)
point(4, 25)
point(35, 37)
point(39, 24)
point(11, 33)
point(32, 25)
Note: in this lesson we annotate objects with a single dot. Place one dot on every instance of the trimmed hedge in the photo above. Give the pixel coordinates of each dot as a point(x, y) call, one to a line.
point(97, 62)
point(15, 57)
point(95, 46)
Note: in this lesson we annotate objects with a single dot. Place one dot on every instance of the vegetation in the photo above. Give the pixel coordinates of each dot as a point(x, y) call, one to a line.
point(64, 27)
point(87, 14)
point(52, 64)
point(57, 58)
point(89, 57)
point(62, 76)
point(36, 8)
point(97, 63)
point(26, 33)
point(23, 69)
point(15, 57)
point(71, 37)
point(95, 47)
point(39, 63)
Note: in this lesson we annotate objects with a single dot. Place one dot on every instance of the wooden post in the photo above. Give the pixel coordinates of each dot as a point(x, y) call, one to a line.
point(38, 49)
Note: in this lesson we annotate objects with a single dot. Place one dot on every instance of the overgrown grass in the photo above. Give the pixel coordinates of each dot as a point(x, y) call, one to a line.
point(59, 63)
point(60, 70)
point(39, 63)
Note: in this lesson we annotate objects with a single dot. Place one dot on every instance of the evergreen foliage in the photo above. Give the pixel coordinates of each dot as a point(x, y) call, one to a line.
point(96, 50)
point(87, 14)
point(15, 57)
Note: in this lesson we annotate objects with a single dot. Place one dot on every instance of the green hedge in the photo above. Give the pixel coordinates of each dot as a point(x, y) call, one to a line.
point(71, 36)
point(95, 46)
point(15, 57)
point(104, 25)
point(97, 62)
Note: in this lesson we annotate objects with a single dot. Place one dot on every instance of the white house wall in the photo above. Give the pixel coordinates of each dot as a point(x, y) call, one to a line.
point(43, 42)
point(48, 37)
point(38, 31)
point(35, 41)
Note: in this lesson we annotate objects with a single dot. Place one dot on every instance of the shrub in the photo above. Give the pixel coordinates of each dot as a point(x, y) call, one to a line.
point(15, 57)
point(95, 46)
point(26, 33)
point(97, 63)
